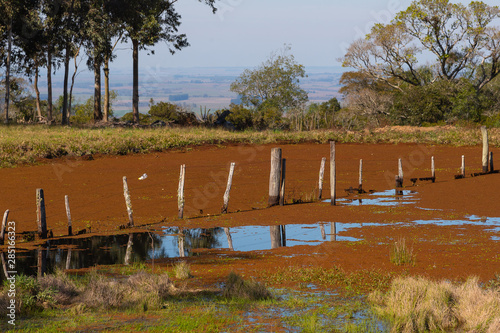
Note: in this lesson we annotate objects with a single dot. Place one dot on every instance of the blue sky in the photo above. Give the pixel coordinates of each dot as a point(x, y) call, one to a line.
point(245, 32)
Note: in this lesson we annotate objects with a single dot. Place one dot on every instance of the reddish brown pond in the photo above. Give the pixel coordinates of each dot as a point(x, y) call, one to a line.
point(443, 251)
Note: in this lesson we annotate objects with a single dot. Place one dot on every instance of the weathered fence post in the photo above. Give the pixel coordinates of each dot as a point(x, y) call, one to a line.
point(360, 187)
point(68, 214)
point(180, 191)
point(400, 171)
point(40, 214)
point(128, 202)
point(484, 131)
point(282, 187)
point(462, 169)
point(321, 176)
point(275, 177)
point(433, 170)
point(4, 224)
point(228, 189)
point(333, 174)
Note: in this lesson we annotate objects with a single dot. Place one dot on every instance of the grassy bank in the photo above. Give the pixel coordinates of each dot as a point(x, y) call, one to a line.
point(27, 144)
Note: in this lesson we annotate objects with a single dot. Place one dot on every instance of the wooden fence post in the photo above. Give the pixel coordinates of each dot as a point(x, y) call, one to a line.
point(462, 169)
point(360, 187)
point(321, 176)
point(484, 131)
point(180, 191)
point(128, 202)
point(333, 174)
point(433, 170)
point(40, 214)
point(228, 189)
point(400, 171)
point(4, 224)
point(282, 187)
point(68, 214)
point(274, 177)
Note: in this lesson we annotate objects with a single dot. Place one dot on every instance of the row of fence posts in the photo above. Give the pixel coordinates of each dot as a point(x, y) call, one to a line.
point(276, 185)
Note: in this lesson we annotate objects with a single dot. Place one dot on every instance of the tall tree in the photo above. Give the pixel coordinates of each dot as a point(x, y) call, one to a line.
point(147, 23)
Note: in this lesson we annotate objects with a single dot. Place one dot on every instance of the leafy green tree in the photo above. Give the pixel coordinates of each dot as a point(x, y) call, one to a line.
point(274, 83)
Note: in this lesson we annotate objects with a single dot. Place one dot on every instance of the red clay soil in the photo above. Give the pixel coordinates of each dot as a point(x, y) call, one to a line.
point(96, 197)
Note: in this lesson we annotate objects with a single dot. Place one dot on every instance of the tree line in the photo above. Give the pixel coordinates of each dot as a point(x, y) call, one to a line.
point(36, 34)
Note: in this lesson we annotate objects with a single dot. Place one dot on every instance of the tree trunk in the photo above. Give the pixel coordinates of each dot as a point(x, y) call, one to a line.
point(97, 92)
point(135, 92)
point(37, 91)
point(73, 83)
point(65, 118)
point(7, 74)
point(49, 84)
point(106, 89)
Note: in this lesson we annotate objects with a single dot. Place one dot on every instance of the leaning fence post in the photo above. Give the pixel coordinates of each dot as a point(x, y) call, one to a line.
point(333, 174)
point(40, 214)
point(282, 187)
point(180, 191)
point(128, 202)
point(484, 131)
point(321, 176)
point(4, 223)
point(228, 189)
point(275, 177)
point(68, 214)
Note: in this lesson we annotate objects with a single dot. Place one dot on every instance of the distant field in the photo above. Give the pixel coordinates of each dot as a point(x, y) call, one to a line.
point(206, 86)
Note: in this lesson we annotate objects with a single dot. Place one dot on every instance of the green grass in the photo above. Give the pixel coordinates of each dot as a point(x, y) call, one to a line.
point(26, 144)
point(401, 254)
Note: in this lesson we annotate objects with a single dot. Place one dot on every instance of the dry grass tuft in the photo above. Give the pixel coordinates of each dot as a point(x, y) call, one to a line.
point(64, 288)
point(237, 288)
point(182, 270)
point(419, 305)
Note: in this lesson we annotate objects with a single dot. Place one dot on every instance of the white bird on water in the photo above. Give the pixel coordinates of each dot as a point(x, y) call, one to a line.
point(144, 176)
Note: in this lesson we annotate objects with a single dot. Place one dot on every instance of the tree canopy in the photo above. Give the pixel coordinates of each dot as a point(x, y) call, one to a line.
point(275, 83)
point(431, 48)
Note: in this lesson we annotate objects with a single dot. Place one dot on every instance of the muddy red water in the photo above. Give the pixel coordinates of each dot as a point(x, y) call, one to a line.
point(95, 192)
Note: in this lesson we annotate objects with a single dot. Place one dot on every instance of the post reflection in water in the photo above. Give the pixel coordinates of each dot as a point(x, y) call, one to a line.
point(180, 243)
point(229, 239)
point(278, 236)
point(333, 231)
point(4, 265)
point(128, 252)
point(323, 233)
